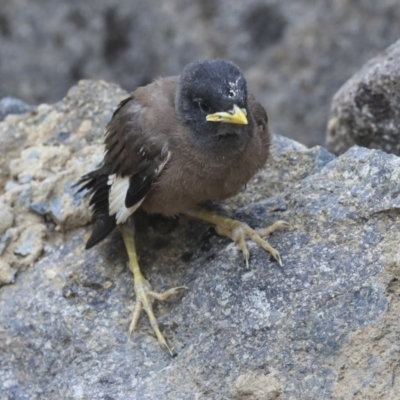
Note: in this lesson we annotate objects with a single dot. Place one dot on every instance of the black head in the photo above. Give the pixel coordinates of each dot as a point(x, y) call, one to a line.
point(211, 100)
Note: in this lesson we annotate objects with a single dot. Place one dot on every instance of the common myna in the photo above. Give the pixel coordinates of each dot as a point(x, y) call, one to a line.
point(172, 145)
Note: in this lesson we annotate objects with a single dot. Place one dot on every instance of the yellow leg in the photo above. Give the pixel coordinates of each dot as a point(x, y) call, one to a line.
point(239, 231)
point(144, 294)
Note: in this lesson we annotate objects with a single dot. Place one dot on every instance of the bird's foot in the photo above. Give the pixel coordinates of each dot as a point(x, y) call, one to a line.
point(145, 297)
point(239, 231)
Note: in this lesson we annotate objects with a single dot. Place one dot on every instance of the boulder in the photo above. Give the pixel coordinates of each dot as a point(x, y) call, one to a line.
point(366, 109)
point(323, 326)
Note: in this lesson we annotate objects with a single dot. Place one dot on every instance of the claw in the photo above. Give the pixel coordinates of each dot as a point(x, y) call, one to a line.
point(277, 257)
point(144, 299)
point(246, 258)
point(164, 345)
point(238, 231)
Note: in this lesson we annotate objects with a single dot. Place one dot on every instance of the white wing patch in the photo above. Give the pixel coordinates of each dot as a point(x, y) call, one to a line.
point(118, 190)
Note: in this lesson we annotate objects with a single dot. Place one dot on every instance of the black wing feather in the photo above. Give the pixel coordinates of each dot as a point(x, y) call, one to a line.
point(103, 226)
point(130, 152)
point(134, 196)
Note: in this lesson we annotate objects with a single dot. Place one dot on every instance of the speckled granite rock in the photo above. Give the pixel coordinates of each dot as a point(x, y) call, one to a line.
point(366, 110)
point(323, 326)
point(295, 53)
point(41, 155)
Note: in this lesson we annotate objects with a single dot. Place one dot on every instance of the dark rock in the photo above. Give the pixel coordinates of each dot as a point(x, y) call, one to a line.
point(366, 110)
point(116, 38)
point(266, 25)
point(296, 54)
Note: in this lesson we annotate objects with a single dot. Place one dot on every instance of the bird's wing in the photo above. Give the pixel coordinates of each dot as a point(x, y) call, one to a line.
point(259, 113)
point(133, 158)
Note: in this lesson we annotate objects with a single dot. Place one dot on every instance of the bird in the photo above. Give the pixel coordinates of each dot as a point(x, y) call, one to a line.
point(170, 146)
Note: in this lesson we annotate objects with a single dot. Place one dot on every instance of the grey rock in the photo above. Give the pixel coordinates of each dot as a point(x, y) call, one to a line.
point(26, 248)
point(366, 110)
point(25, 196)
point(40, 162)
point(6, 217)
point(7, 274)
point(288, 163)
point(11, 105)
point(25, 179)
point(56, 208)
point(295, 53)
point(323, 326)
point(5, 241)
point(10, 184)
point(41, 208)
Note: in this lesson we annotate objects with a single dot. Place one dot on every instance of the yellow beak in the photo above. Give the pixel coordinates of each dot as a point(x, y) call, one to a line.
point(235, 116)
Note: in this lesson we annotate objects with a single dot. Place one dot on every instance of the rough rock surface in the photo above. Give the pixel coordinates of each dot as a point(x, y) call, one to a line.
point(366, 110)
point(10, 105)
point(42, 154)
point(295, 53)
point(323, 326)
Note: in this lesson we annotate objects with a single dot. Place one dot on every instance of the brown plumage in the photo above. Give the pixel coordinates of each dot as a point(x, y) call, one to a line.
point(144, 130)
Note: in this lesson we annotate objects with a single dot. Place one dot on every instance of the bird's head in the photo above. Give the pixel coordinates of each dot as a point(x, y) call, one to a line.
point(211, 100)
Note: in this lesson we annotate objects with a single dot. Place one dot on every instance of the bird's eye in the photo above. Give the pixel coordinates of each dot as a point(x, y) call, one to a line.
point(231, 93)
point(204, 107)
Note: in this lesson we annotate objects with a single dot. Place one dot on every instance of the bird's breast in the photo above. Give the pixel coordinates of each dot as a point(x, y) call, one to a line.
point(185, 183)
